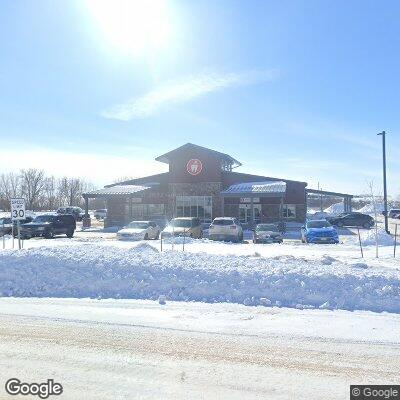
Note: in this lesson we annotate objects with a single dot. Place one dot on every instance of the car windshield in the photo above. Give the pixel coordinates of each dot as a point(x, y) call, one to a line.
point(318, 224)
point(267, 227)
point(223, 222)
point(138, 225)
point(181, 223)
point(44, 218)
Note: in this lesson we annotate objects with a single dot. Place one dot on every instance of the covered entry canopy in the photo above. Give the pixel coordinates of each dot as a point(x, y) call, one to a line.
point(112, 191)
point(319, 194)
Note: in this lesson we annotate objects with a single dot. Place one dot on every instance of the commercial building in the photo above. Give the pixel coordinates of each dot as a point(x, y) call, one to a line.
point(203, 183)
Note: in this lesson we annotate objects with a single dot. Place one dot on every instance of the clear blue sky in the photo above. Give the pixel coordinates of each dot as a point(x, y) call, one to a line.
point(293, 89)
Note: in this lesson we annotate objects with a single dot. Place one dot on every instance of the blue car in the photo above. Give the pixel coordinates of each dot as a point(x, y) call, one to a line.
point(319, 231)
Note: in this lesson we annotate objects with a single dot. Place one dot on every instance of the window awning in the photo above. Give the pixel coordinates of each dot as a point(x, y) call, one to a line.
point(117, 190)
point(256, 189)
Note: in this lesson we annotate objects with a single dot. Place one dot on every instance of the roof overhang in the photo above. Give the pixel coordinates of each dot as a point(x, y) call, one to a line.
point(117, 190)
point(326, 193)
point(256, 189)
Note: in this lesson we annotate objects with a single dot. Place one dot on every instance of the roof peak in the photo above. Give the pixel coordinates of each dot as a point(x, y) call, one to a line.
point(165, 158)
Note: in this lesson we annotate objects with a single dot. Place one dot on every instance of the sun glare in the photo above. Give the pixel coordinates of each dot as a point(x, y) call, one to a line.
point(133, 26)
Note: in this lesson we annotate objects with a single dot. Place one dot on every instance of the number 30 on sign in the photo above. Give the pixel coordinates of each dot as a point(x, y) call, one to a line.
point(17, 209)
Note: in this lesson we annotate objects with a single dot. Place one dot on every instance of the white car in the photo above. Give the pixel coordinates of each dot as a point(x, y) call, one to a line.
point(139, 230)
point(226, 228)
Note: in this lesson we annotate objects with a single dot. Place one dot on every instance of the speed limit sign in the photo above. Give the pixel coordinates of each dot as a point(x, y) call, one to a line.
point(17, 209)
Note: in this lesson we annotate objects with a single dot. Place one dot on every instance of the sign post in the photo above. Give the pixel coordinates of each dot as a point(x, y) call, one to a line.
point(17, 213)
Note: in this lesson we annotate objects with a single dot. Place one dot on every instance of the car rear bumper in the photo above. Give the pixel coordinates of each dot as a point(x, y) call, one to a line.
point(222, 236)
point(329, 240)
point(268, 240)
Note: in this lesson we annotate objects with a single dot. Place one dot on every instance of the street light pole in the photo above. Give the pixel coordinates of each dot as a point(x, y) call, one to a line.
point(385, 210)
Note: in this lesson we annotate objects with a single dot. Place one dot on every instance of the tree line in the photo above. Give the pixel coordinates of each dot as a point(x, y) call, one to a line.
point(41, 192)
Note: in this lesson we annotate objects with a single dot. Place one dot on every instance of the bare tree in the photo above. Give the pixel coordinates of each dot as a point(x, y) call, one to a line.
point(32, 186)
point(373, 201)
point(49, 193)
point(10, 187)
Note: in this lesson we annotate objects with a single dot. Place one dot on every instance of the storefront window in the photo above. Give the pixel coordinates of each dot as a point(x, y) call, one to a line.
point(145, 211)
point(289, 211)
point(194, 206)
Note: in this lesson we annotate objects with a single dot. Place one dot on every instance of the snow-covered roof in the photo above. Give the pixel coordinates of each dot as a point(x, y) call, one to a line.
point(117, 190)
point(257, 188)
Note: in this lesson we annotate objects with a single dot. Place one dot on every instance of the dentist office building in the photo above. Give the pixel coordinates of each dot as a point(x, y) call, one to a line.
point(203, 183)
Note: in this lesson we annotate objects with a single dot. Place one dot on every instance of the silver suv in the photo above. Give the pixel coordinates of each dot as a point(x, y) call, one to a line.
point(226, 228)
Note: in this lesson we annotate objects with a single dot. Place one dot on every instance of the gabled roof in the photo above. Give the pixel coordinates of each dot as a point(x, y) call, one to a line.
point(165, 158)
point(266, 188)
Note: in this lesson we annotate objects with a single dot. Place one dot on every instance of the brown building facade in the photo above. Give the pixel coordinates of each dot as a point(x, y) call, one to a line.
point(201, 183)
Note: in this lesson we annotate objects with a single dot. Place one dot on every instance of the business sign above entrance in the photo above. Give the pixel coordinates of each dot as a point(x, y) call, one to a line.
point(194, 166)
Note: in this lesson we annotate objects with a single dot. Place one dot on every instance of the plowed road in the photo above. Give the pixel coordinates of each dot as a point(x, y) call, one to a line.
point(140, 350)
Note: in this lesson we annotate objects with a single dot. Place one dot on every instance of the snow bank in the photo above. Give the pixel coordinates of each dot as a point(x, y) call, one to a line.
point(384, 239)
point(93, 270)
point(369, 208)
point(337, 208)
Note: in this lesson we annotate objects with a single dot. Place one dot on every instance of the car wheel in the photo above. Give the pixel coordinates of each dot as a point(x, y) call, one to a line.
point(70, 233)
point(339, 224)
point(146, 237)
point(157, 236)
point(255, 241)
point(49, 234)
point(367, 225)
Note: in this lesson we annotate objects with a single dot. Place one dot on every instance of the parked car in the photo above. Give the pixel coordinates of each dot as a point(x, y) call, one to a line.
point(77, 212)
point(6, 225)
point(100, 214)
point(226, 228)
point(393, 212)
point(184, 226)
point(353, 219)
point(319, 231)
point(139, 230)
point(267, 233)
point(48, 226)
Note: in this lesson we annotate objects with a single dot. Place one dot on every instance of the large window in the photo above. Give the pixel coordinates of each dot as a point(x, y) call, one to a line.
point(194, 206)
point(145, 211)
point(289, 211)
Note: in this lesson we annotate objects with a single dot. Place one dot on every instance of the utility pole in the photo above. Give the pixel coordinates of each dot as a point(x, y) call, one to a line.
point(385, 210)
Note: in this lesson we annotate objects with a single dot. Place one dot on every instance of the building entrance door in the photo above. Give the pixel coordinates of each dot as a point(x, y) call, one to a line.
point(245, 213)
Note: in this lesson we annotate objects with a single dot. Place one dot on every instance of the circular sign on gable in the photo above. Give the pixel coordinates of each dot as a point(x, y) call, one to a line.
point(194, 166)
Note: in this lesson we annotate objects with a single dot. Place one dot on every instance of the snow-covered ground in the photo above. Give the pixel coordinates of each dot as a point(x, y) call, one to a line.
point(133, 349)
point(294, 275)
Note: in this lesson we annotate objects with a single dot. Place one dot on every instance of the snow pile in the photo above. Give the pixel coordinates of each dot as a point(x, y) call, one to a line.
point(337, 208)
point(369, 208)
point(142, 272)
point(368, 238)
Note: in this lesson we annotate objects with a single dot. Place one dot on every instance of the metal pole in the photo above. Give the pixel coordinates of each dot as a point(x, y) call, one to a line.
point(383, 134)
point(395, 241)
point(359, 240)
point(19, 235)
point(4, 239)
point(184, 237)
point(12, 232)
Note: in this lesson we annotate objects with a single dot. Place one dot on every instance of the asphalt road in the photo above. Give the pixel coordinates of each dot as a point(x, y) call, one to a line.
point(100, 359)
